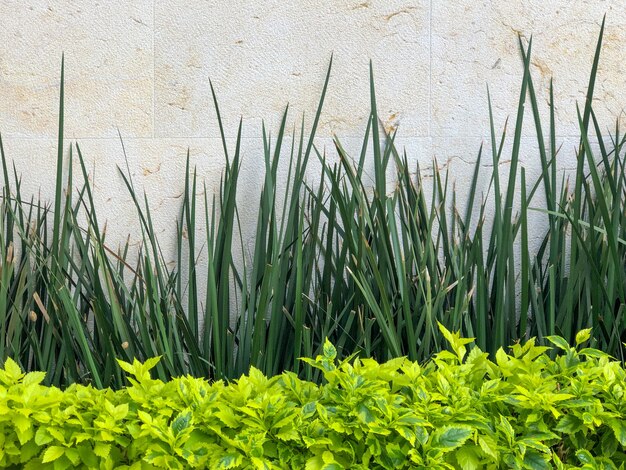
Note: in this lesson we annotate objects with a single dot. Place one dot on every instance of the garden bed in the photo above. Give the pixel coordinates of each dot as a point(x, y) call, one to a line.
point(525, 409)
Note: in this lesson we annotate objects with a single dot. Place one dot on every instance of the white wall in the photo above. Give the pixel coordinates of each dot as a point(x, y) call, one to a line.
point(143, 67)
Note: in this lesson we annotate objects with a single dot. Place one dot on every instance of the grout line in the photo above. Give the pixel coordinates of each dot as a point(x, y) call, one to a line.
point(153, 70)
point(430, 68)
point(218, 138)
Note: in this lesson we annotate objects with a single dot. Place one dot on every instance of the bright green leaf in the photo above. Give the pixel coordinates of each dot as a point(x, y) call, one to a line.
point(451, 437)
point(52, 453)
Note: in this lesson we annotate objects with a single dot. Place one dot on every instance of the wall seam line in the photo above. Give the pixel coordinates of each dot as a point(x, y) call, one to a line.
point(153, 70)
point(430, 67)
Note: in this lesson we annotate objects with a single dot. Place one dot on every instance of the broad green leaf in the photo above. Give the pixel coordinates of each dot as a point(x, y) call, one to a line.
point(12, 371)
point(227, 416)
point(501, 357)
point(589, 352)
point(52, 453)
point(126, 367)
point(42, 437)
point(87, 456)
point(456, 342)
point(365, 414)
point(569, 424)
point(330, 352)
point(181, 422)
point(583, 335)
point(446, 333)
point(489, 446)
point(309, 409)
point(585, 457)
point(422, 435)
point(328, 457)
point(73, 455)
point(229, 461)
point(508, 430)
point(451, 437)
point(143, 416)
point(559, 342)
point(151, 362)
point(535, 460)
point(619, 429)
point(102, 450)
point(34, 378)
point(609, 444)
point(467, 458)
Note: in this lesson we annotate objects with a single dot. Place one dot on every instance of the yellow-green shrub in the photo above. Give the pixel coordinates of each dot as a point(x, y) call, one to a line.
point(460, 410)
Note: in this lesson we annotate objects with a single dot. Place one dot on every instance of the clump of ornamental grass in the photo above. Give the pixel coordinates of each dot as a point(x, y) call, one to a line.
point(370, 266)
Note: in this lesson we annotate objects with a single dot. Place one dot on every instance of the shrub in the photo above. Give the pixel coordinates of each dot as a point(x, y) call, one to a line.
point(459, 410)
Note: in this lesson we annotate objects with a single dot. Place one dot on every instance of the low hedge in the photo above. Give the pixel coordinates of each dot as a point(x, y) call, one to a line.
point(530, 408)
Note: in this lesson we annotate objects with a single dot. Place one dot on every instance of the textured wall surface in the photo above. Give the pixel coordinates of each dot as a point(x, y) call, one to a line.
point(143, 67)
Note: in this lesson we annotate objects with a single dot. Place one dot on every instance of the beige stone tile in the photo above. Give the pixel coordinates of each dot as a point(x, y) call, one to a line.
point(262, 55)
point(476, 43)
point(108, 67)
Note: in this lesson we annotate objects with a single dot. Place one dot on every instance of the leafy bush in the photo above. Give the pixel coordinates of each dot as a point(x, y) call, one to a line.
point(460, 410)
point(371, 267)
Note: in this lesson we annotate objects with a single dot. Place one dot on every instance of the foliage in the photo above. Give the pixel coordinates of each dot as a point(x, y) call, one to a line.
point(460, 410)
point(371, 267)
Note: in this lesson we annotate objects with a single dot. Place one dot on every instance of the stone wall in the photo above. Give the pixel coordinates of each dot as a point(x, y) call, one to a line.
point(142, 68)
